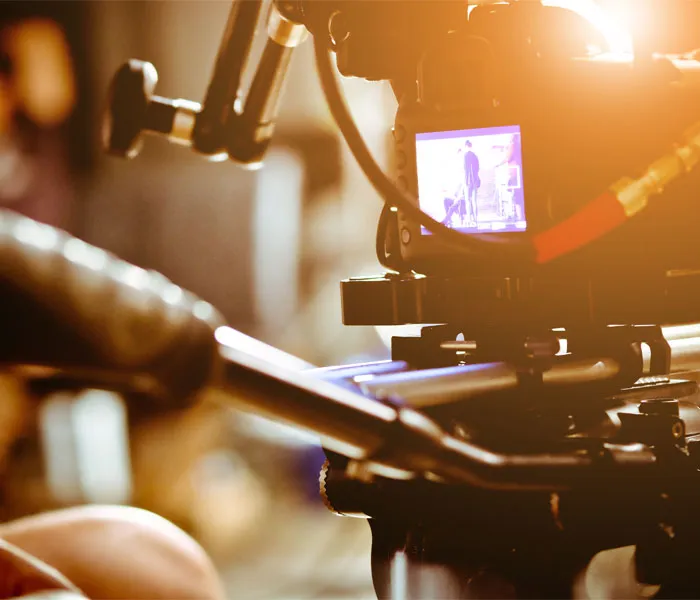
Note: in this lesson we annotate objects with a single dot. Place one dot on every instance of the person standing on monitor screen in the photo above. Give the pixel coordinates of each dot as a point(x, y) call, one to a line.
point(472, 182)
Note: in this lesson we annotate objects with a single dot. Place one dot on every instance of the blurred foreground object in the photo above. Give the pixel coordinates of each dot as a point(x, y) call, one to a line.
point(186, 467)
point(156, 338)
point(114, 553)
point(22, 574)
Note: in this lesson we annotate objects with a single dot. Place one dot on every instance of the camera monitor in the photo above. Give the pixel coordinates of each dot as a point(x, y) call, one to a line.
point(471, 180)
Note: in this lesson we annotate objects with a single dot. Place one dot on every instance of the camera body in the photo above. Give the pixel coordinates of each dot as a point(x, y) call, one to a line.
point(554, 121)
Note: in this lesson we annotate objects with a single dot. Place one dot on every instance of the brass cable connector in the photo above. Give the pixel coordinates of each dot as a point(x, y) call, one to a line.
point(634, 194)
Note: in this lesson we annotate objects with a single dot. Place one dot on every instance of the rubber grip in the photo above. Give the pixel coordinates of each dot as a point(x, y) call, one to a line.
point(72, 306)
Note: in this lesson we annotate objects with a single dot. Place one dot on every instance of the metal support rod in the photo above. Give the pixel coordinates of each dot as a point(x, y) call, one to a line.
point(360, 371)
point(225, 83)
point(680, 332)
point(251, 127)
point(431, 387)
point(439, 386)
point(365, 429)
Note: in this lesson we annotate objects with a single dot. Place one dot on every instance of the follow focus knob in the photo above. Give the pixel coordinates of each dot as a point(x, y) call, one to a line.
point(133, 110)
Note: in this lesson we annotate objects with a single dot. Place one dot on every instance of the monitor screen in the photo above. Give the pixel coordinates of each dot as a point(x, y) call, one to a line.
point(471, 180)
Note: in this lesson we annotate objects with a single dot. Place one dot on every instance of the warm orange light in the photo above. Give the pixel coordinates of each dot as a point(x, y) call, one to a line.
point(615, 26)
point(43, 72)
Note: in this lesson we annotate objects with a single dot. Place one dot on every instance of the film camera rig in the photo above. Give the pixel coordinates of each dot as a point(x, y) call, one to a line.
point(536, 420)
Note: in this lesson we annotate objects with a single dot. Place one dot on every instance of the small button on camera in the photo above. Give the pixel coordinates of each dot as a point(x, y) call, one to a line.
point(399, 133)
point(405, 236)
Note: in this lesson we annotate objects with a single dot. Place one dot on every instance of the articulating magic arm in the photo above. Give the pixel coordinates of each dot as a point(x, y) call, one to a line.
point(222, 126)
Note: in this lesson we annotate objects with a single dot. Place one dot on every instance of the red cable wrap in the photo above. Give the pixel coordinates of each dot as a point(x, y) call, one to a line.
point(594, 220)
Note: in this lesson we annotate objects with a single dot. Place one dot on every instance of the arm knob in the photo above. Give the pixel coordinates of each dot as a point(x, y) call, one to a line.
point(133, 110)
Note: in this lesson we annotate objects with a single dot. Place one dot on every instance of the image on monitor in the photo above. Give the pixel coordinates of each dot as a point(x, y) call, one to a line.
point(472, 180)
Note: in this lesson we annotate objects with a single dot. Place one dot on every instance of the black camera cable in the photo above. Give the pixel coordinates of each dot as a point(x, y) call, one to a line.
point(392, 196)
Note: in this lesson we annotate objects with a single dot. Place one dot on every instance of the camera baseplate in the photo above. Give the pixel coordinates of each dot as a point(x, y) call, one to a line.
point(492, 304)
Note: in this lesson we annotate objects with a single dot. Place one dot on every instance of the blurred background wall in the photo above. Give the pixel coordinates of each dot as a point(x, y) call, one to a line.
point(269, 247)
